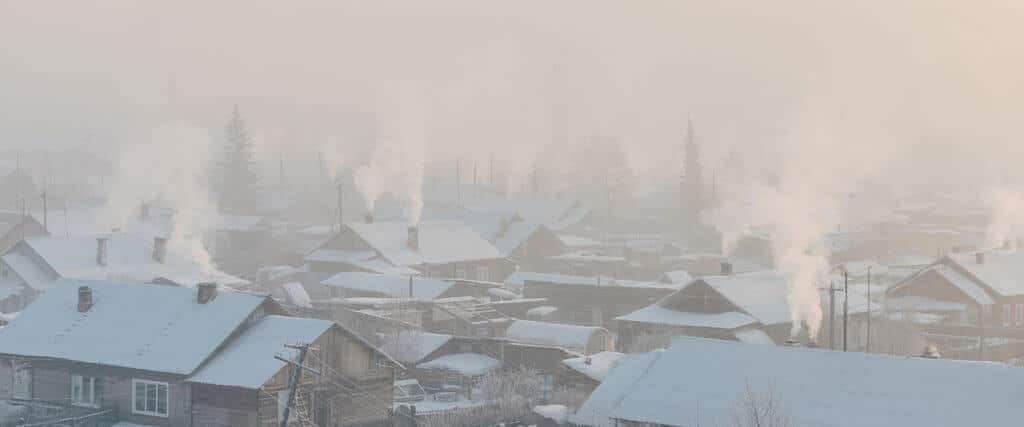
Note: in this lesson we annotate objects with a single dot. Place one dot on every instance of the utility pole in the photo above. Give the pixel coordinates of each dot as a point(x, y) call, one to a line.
point(846, 305)
point(474, 181)
point(490, 178)
point(868, 344)
point(295, 369)
point(46, 221)
point(832, 315)
point(341, 212)
point(458, 181)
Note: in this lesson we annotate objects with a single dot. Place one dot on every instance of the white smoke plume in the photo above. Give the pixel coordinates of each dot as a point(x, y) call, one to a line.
point(1007, 218)
point(395, 165)
point(168, 170)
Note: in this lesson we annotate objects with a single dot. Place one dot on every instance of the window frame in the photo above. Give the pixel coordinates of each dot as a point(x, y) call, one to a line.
point(1007, 315)
point(93, 402)
point(155, 412)
point(1019, 314)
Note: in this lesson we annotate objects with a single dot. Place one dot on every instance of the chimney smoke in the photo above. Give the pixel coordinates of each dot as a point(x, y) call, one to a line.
point(84, 299)
point(101, 251)
point(205, 292)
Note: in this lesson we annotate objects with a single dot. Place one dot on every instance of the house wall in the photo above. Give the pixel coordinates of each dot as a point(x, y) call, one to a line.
point(27, 228)
point(531, 254)
point(51, 381)
point(218, 406)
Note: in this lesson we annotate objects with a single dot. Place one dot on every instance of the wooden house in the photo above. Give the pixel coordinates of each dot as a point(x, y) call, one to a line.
point(163, 355)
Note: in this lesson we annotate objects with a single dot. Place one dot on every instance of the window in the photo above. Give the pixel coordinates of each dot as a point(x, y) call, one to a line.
point(149, 398)
point(1007, 320)
point(483, 274)
point(1020, 314)
point(460, 273)
point(86, 391)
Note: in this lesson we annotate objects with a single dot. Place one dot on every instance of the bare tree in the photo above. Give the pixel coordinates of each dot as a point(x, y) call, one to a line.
point(759, 409)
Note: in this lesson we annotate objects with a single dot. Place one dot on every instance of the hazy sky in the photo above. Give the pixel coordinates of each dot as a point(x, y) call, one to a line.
point(901, 79)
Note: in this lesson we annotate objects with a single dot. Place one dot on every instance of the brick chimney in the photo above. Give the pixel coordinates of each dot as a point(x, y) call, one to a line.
point(205, 292)
point(101, 250)
point(160, 249)
point(84, 299)
point(414, 237)
point(979, 257)
point(726, 268)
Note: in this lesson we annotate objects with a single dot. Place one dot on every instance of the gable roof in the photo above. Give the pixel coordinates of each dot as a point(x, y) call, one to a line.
point(619, 382)
point(423, 288)
point(411, 347)
point(9, 221)
point(875, 389)
point(965, 284)
point(129, 258)
point(440, 242)
point(151, 327)
point(762, 294)
point(1001, 270)
point(519, 278)
point(248, 361)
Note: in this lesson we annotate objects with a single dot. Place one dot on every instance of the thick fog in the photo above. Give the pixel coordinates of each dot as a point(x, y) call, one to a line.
point(808, 114)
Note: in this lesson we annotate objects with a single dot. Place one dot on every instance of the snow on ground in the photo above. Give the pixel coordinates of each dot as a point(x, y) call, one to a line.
point(557, 413)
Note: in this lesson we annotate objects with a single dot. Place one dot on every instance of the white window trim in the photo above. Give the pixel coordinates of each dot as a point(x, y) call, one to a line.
point(153, 413)
point(77, 400)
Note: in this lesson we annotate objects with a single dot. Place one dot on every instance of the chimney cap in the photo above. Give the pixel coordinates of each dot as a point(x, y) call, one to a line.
point(84, 299)
point(205, 292)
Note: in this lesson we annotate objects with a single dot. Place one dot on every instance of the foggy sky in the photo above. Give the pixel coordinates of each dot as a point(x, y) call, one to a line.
point(919, 90)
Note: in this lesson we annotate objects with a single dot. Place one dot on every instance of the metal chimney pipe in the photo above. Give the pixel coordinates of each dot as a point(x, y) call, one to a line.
point(205, 292)
point(84, 299)
point(101, 250)
point(160, 249)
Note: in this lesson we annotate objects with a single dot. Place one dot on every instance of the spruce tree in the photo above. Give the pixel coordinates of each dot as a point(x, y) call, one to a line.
point(692, 188)
point(239, 176)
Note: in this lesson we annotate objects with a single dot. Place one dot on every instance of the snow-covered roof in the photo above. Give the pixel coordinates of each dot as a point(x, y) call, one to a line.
point(557, 334)
point(467, 364)
point(753, 336)
point(519, 278)
point(618, 383)
point(596, 366)
point(129, 258)
point(1001, 270)
point(412, 346)
point(541, 311)
point(762, 294)
point(296, 294)
point(587, 255)
point(573, 241)
point(423, 288)
point(35, 276)
point(248, 361)
point(657, 315)
point(965, 284)
point(440, 242)
point(513, 236)
point(701, 381)
point(151, 327)
point(678, 277)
